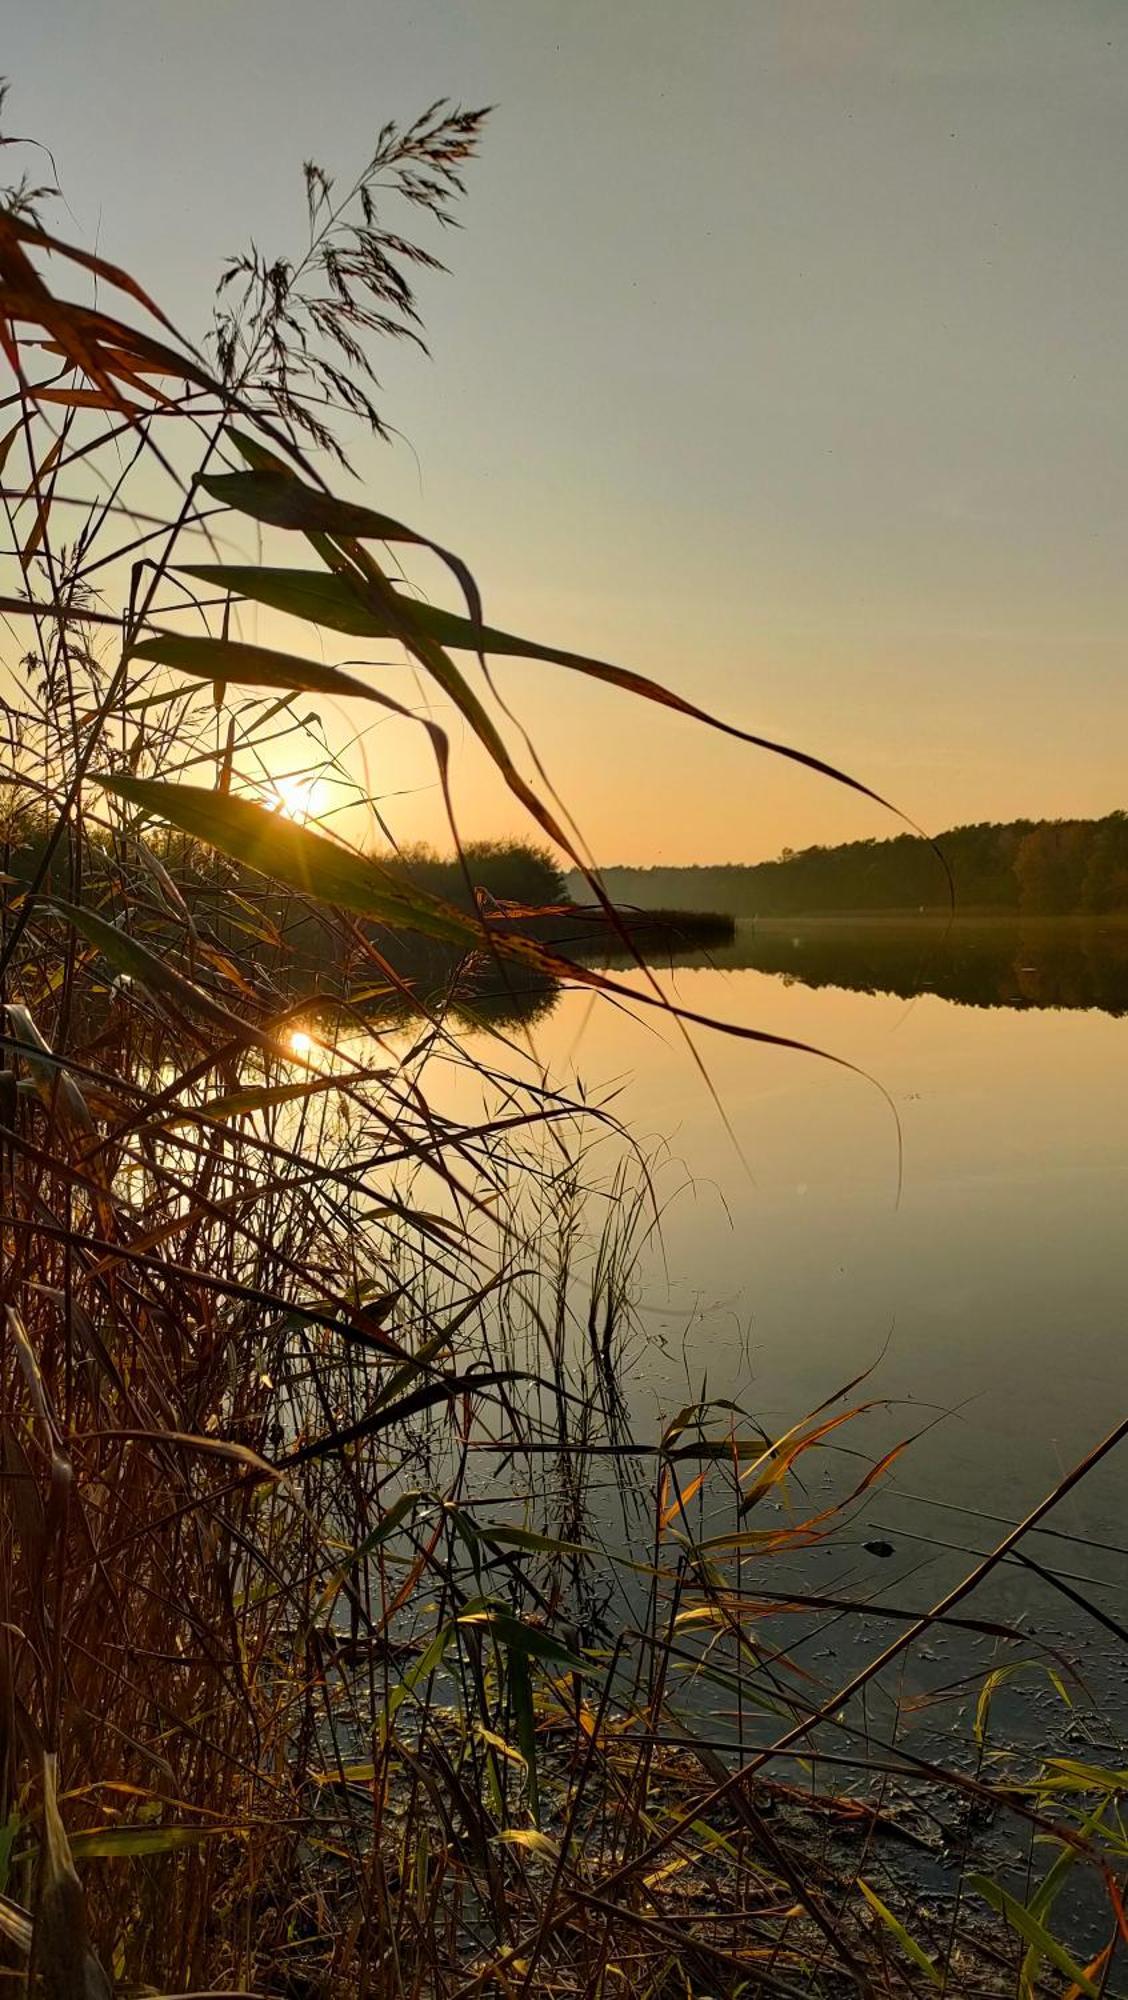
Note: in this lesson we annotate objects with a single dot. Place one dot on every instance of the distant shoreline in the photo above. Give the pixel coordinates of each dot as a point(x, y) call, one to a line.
point(1023, 868)
point(967, 919)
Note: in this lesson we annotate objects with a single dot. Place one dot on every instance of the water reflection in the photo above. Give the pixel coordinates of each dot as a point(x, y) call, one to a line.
point(977, 962)
point(973, 962)
point(985, 1292)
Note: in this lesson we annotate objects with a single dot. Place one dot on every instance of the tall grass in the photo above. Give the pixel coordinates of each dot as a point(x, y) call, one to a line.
point(349, 1640)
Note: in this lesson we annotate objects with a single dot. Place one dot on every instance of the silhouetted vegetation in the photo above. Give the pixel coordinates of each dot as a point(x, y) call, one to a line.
point(1032, 867)
point(488, 873)
point(515, 885)
point(1027, 963)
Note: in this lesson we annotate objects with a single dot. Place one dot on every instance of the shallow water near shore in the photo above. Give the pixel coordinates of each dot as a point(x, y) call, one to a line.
point(950, 1214)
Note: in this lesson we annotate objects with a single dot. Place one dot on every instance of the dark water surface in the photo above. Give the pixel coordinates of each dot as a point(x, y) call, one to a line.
point(967, 1239)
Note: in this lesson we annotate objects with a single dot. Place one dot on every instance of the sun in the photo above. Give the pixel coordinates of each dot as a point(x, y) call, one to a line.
point(306, 1050)
point(298, 795)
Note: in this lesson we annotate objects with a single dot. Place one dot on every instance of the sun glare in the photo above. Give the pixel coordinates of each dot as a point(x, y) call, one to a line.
point(298, 796)
point(306, 1051)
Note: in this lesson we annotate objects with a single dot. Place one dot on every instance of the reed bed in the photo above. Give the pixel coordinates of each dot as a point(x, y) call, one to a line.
point(350, 1639)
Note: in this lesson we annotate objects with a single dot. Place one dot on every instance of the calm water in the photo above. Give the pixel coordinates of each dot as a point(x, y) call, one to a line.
point(989, 1290)
point(996, 1280)
point(947, 1213)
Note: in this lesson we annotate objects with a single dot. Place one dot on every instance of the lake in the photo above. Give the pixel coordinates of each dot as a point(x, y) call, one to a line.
point(949, 1213)
point(913, 1226)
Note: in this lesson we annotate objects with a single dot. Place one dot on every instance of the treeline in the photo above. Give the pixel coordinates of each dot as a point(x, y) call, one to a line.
point(1028, 867)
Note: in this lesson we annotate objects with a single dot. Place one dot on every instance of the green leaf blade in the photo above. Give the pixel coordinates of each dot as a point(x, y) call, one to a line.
point(309, 862)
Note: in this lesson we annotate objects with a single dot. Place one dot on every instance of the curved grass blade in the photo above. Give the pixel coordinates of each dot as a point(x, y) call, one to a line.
point(272, 494)
point(61, 1952)
point(245, 1103)
point(230, 660)
point(1027, 1925)
point(908, 1944)
point(136, 961)
point(111, 274)
point(123, 1842)
point(330, 599)
point(518, 1637)
point(233, 662)
point(997, 1679)
point(54, 1083)
point(1042, 1902)
point(310, 862)
point(362, 593)
point(445, 1389)
point(15, 1925)
point(428, 1663)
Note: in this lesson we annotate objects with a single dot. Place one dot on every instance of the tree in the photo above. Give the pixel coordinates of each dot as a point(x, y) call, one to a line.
point(1050, 867)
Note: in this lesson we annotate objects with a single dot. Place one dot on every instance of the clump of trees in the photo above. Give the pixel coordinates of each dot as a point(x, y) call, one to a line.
point(514, 872)
point(1027, 867)
point(1069, 865)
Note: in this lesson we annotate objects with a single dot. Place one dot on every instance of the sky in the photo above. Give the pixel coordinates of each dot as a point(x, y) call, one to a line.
point(781, 357)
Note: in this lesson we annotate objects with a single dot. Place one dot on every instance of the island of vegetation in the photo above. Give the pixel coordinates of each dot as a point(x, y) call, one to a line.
point(511, 884)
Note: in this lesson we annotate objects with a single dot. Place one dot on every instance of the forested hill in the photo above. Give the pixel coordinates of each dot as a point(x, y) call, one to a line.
point(1032, 867)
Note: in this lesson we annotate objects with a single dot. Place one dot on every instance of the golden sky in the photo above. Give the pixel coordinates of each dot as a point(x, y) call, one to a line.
point(781, 357)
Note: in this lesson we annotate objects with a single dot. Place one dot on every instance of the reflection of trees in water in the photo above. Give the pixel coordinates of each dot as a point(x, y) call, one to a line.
point(1017, 963)
point(477, 989)
point(499, 996)
point(977, 965)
